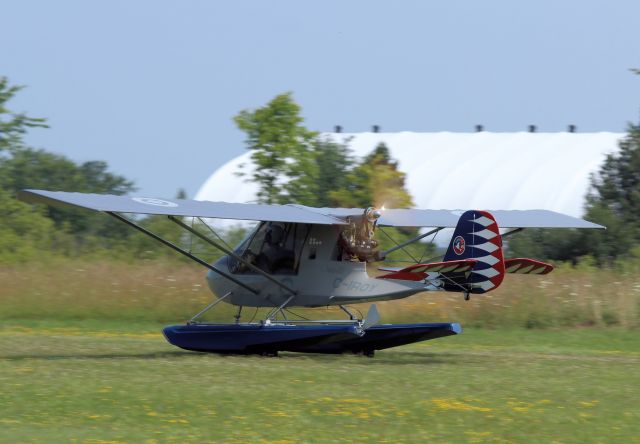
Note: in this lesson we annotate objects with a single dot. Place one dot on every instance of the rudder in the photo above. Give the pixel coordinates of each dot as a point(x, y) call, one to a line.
point(477, 237)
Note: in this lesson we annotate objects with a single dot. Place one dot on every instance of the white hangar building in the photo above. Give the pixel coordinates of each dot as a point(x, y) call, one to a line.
point(481, 170)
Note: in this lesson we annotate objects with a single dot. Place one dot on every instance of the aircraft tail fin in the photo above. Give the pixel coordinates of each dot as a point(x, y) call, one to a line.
point(477, 237)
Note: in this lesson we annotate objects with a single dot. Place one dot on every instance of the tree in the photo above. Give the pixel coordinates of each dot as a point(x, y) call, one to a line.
point(558, 245)
point(296, 165)
point(28, 231)
point(376, 181)
point(31, 168)
point(23, 167)
point(25, 232)
point(281, 150)
point(13, 125)
point(614, 201)
point(334, 162)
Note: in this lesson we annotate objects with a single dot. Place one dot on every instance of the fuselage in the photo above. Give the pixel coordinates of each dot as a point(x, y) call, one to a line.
point(306, 258)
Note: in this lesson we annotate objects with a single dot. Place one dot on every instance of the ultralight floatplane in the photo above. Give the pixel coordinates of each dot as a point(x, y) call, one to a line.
point(300, 256)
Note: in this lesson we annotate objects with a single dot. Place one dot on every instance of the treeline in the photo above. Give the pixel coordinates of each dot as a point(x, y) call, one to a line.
point(30, 232)
point(293, 165)
point(318, 172)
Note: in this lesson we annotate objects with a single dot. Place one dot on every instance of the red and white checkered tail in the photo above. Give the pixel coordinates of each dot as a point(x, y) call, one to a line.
point(477, 237)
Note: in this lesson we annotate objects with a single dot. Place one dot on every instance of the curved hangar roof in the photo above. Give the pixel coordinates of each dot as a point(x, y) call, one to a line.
point(484, 170)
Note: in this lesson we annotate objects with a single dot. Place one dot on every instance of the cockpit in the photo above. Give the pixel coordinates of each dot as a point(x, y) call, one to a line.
point(274, 247)
point(277, 247)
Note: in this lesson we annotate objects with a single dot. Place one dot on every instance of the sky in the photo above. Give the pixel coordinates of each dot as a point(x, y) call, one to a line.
point(151, 87)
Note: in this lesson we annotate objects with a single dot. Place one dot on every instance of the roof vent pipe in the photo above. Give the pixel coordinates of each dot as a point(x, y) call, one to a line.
point(375, 128)
point(532, 128)
point(479, 128)
point(572, 128)
point(337, 129)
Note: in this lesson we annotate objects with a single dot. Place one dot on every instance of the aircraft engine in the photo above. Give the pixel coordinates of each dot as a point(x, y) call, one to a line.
point(357, 241)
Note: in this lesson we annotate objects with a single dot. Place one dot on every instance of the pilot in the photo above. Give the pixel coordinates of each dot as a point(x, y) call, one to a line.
point(274, 258)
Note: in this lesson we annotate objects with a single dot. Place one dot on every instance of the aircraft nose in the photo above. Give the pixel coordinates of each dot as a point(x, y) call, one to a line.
point(217, 283)
point(213, 279)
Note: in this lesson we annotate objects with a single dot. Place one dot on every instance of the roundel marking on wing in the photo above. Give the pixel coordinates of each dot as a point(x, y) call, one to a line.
point(153, 201)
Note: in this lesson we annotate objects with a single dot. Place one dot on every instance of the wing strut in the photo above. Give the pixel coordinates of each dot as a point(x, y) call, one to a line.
point(410, 241)
point(180, 250)
point(207, 308)
point(514, 231)
point(232, 254)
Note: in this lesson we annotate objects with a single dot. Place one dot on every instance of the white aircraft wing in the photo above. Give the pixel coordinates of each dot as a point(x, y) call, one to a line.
point(294, 213)
point(414, 217)
point(505, 219)
point(179, 207)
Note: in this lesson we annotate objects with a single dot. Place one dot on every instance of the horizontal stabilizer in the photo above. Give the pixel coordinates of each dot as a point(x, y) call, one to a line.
point(526, 266)
point(418, 272)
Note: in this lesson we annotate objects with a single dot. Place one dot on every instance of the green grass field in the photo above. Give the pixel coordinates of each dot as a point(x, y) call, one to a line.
point(170, 292)
point(113, 381)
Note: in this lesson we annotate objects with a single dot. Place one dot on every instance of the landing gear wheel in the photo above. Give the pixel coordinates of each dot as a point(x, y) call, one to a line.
point(467, 296)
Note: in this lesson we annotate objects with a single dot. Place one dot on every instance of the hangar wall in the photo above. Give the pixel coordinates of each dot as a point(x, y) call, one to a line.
point(482, 170)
